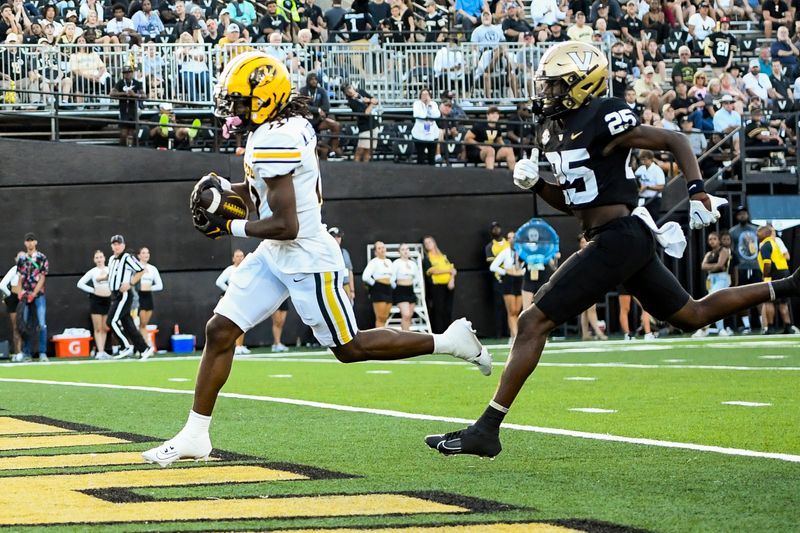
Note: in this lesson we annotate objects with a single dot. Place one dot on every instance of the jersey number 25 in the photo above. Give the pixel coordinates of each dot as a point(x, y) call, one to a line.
point(619, 121)
point(578, 182)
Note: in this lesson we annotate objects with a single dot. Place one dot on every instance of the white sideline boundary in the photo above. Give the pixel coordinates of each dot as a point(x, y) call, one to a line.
point(312, 357)
point(415, 416)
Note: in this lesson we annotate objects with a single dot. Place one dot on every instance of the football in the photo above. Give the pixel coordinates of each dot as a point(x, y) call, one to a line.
point(226, 204)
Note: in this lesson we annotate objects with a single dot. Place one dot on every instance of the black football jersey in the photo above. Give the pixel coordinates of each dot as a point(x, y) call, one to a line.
point(574, 147)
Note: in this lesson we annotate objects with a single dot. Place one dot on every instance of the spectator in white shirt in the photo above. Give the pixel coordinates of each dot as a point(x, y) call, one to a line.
point(700, 24)
point(120, 26)
point(756, 83)
point(726, 120)
point(425, 131)
point(651, 183)
point(668, 120)
point(487, 33)
point(448, 65)
point(546, 12)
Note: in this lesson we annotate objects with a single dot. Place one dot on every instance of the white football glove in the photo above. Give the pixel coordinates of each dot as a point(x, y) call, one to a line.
point(526, 172)
point(700, 217)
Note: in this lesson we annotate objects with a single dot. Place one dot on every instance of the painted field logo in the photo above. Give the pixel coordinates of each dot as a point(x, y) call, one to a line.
point(84, 486)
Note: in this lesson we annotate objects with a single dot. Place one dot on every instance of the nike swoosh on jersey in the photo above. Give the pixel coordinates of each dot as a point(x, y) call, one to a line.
point(299, 280)
point(575, 135)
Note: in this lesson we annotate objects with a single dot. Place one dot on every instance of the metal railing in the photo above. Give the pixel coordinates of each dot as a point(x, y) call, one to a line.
point(486, 73)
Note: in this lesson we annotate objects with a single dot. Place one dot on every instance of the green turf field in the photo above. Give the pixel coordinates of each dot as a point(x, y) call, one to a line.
point(306, 443)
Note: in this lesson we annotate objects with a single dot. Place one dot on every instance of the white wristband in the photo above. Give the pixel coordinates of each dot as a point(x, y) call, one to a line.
point(237, 228)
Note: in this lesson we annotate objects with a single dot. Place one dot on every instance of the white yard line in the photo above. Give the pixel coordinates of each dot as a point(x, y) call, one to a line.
point(752, 341)
point(414, 416)
point(291, 358)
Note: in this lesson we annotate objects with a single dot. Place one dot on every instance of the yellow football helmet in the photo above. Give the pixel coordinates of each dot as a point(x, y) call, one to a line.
point(254, 87)
point(570, 74)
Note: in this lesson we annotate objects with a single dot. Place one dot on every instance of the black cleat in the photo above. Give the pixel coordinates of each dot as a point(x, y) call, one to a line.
point(470, 440)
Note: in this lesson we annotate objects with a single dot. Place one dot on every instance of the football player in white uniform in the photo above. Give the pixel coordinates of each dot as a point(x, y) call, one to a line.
point(297, 257)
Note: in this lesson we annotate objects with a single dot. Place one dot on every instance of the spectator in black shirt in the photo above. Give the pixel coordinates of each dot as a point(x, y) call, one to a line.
point(574, 6)
point(184, 22)
point(396, 28)
point(485, 141)
point(759, 133)
point(654, 22)
point(273, 22)
point(320, 107)
point(651, 56)
point(314, 21)
point(621, 67)
point(129, 90)
point(333, 18)
point(379, 10)
point(612, 23)
point(434, 22)
point(780, 84)
point(362, 103)
point(513, 25)
point(557, 34)
point(600, 9)
point(720, 46)
point(357, 22)
point(776, 13)
point(630, 23)
point(449, 126)
point(684, 105)
point(8, 24)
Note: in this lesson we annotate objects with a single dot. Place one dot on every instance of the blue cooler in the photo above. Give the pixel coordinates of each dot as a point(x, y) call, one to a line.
point(183, 343)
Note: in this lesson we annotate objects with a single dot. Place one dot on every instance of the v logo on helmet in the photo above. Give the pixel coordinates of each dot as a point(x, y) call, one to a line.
point(583, 62)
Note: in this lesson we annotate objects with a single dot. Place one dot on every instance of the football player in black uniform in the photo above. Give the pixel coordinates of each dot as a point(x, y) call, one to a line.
point(588, 142)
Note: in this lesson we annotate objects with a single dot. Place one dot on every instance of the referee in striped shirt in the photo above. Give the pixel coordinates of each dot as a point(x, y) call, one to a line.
point(124, 270)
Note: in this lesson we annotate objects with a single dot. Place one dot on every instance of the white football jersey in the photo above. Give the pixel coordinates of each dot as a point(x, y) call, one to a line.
point(290, 147)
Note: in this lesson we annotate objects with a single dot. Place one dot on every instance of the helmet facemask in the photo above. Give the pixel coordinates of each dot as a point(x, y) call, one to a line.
point(548, 96)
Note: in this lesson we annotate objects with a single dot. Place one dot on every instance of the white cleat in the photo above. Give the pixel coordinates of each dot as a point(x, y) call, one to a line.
point(102, 356)
point(724, 333)
point(127, 352)
point(649, 337)
point(179, 447)
point(245, 350)
point(699, 334)
point(466, 345)
point(147, 353)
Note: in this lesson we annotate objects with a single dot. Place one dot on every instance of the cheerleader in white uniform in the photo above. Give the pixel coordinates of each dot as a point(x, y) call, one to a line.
point(95, 284)
point(378, 277)
point(150, 283)
point(404, 274)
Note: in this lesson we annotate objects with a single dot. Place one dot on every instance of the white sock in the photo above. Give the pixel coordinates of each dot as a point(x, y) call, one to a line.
point(720, 325)
point(746, 321)
point(441, 344)
point(197, 424)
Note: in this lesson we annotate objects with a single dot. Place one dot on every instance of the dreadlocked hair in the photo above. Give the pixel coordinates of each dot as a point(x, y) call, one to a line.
point(297, 106)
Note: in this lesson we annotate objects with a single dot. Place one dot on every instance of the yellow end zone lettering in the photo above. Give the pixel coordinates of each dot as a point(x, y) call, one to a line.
point(66, 503)
point(11, 426)
point(57, 441)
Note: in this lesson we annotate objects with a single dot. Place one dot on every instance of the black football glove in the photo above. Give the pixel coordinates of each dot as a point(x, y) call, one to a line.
point(209, 181)
point(211, 225)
